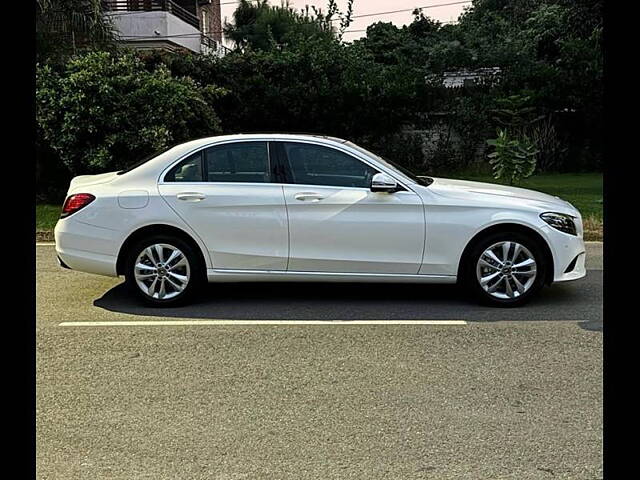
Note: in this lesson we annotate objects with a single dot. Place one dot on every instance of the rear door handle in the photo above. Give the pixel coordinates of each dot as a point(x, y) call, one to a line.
point(308, 197)
point(191, 196)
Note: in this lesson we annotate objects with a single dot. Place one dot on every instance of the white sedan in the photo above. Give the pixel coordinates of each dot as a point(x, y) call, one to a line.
point(310, 208)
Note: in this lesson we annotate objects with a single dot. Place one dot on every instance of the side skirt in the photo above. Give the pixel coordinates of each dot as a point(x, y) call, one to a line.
point(225, 275)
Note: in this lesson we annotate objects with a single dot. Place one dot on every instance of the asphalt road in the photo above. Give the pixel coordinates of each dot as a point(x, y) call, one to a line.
point(513, 394)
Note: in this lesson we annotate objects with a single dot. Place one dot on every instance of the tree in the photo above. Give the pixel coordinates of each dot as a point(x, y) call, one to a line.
point(549, 50)
point(66, 27)
point(516, 113)
point(105, 111)
point(261, 26)
point(314, 86)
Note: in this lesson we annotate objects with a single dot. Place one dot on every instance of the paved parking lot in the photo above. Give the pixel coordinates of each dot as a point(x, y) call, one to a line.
point(509, 394)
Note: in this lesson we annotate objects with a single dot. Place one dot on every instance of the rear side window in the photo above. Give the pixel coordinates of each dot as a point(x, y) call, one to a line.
point(246, 162)
point(188, 170)
point(319, 165)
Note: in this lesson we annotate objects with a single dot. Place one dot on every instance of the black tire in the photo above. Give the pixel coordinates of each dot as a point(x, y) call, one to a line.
point(470, 273)
point(196, 276)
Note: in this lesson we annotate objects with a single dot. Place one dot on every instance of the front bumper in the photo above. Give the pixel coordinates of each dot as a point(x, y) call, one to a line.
point(575, 270)
point(569, 254)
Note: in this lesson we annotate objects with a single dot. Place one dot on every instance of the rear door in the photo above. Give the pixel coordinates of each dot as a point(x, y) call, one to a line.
point(337, 224)
point(224, 192)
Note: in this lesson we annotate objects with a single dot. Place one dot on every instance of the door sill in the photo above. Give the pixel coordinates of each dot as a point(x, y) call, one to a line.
point(229, 275)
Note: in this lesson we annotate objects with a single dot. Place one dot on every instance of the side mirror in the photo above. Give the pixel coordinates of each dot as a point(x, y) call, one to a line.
point(381, 182)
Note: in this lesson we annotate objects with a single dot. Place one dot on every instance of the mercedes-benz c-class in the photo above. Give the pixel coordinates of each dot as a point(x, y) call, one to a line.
point(310, 208)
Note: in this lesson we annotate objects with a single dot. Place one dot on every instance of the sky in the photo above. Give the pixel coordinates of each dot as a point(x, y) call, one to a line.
point(447, 13)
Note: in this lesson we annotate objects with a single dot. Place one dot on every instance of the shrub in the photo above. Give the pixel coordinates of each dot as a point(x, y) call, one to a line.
point(314, 86)
point(104, 111)
point(552, 151)
point(404, 148)
point(470, 120)
point(513, 158)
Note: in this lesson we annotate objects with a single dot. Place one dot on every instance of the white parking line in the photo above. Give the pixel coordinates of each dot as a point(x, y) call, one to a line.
point(164, 323)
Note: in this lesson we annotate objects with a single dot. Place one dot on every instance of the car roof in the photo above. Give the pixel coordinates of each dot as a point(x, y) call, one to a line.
point(268, 135)
point(159, 162)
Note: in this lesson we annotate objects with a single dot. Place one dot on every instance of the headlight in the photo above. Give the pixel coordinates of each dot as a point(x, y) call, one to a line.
point(560, 221)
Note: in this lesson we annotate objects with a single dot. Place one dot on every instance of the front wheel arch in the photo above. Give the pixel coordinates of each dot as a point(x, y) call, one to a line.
point(150, 230)
point(509, 227)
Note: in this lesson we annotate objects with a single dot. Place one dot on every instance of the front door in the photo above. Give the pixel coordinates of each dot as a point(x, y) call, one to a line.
point(337, 224)
point(224, 194)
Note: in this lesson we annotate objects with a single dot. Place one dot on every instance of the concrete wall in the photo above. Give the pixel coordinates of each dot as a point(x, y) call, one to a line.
point(141, 27)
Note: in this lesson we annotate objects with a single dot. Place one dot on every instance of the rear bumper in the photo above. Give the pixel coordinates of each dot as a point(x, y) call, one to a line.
point(62, 264)
point(86, 248)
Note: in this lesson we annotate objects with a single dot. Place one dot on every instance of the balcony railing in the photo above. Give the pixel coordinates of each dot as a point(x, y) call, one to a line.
point(210, 46)
point(152, 6)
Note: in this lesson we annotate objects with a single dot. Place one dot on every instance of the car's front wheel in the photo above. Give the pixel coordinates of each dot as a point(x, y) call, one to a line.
point(164, 270)
point(505, 269)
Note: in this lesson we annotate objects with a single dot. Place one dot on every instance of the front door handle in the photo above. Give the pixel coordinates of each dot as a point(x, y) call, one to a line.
point(191, 196)
point(308, 197)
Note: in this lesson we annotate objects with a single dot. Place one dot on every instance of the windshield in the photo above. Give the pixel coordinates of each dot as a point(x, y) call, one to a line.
point(422, 180)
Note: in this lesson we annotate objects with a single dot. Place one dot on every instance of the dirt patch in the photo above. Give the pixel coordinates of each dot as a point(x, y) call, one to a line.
point(44, 236)
point(593, 229)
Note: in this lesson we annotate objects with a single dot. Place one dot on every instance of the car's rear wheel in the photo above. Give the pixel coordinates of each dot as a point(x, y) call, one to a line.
point(505, 269)
point(164, 270)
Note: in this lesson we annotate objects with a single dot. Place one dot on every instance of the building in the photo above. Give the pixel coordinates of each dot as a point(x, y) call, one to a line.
point(469, 78)
point(173, 25)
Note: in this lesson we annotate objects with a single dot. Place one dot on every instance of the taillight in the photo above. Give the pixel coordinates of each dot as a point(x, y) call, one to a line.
point(76, 202)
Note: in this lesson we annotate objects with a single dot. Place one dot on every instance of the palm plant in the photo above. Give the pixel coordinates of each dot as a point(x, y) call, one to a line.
point(64, 27)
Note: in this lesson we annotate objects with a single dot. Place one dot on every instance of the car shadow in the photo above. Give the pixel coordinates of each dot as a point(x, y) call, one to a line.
point(579, 301)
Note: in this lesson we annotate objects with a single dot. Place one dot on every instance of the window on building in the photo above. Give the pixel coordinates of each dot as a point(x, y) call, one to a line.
point(205, 25)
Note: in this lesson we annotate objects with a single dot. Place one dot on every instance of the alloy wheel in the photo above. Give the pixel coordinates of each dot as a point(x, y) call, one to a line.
point(162, 271)
point(506, 270)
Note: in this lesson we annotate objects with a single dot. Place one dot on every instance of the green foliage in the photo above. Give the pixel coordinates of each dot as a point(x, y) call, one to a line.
point(513, 158)
point(47, 216)
point(470, 118)
point(333, 11)
point(547, 50)
point(515, 113)
point(404, 148)
point(260, 26)
point(104, 112)
point(552, 150)
point(316, 87)
point(424, 47)
point(67, 27)
point(291, 72)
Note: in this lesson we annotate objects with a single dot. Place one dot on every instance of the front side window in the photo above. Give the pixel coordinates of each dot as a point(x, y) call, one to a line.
point(246, 162)
point(318, 165)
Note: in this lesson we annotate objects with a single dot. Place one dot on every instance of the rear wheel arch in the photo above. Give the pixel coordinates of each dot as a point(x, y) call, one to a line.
point(510, 227)
point(156, 229)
